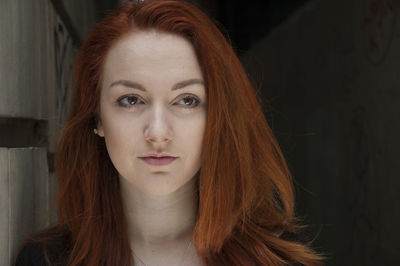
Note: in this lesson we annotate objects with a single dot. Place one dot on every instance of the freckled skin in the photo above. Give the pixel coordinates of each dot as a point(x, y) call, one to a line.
point(155, 120)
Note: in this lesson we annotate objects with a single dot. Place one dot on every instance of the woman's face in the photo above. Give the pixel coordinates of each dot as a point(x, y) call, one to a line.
point(153, 101)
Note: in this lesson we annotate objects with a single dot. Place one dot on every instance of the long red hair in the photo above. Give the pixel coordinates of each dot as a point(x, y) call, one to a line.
point(245, 190)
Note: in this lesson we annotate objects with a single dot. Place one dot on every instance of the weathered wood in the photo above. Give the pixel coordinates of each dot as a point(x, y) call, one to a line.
point(36, 53)
point(59, 95)
point(24, 62)
point(25, 197)
point(4, 207)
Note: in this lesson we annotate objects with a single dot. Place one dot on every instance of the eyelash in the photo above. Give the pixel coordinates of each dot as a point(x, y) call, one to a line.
point(120, 99)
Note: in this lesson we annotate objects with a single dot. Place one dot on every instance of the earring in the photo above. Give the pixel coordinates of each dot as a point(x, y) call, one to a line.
point(95, 131)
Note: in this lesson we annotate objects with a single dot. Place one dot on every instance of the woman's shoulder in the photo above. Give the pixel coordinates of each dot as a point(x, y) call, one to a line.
point(43, 249)
point(32, 253)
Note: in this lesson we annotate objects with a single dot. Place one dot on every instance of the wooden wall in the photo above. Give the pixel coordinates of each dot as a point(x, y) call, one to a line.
point(39, 40)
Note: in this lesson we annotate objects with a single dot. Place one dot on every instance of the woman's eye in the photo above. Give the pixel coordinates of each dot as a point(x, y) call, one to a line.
point(189, 102)
point(128, 101)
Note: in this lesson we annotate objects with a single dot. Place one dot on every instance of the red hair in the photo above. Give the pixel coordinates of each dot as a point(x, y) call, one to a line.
point(245, 190)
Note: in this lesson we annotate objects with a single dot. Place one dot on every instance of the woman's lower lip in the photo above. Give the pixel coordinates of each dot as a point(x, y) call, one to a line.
point(158, 161)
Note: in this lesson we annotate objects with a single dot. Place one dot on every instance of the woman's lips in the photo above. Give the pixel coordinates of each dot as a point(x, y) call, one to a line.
point(158, 161)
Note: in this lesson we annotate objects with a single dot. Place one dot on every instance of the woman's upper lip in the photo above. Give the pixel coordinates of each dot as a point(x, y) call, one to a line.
point(159, 155)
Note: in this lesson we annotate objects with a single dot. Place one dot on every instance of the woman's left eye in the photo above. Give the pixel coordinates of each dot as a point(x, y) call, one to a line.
point(190, 101)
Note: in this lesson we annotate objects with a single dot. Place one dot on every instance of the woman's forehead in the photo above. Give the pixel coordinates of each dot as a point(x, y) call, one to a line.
point(151, 44)
point(150, 55)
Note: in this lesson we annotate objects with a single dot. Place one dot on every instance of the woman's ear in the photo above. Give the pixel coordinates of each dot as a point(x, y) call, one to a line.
point(100, 129)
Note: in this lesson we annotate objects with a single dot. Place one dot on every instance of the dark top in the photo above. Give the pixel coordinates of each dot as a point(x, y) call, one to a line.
point(32, 253)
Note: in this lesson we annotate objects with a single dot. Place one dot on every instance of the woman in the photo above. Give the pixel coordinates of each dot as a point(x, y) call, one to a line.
point(166, 158)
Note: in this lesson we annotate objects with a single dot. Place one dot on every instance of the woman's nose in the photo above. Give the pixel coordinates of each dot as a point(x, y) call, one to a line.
point(158, 128)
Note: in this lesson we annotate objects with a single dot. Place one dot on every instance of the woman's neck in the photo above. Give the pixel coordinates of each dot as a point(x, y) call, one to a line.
point(154, 220)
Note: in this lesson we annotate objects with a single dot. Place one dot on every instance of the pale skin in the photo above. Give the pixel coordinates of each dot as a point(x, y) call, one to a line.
point(157, 71)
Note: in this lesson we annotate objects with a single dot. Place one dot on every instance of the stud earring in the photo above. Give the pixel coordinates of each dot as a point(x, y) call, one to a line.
point(95, 131)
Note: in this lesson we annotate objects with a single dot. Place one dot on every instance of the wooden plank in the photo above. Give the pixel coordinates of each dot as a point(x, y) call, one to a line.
point(4, 207)
point(23, 53)
point(28, 194)
point(60, 75)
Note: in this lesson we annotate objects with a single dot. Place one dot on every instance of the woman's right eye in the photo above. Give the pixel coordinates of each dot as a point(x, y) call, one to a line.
point(128, 101)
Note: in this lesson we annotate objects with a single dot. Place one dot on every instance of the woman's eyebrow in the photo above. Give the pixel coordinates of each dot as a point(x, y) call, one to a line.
point(187, 82)
point(177, 86)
